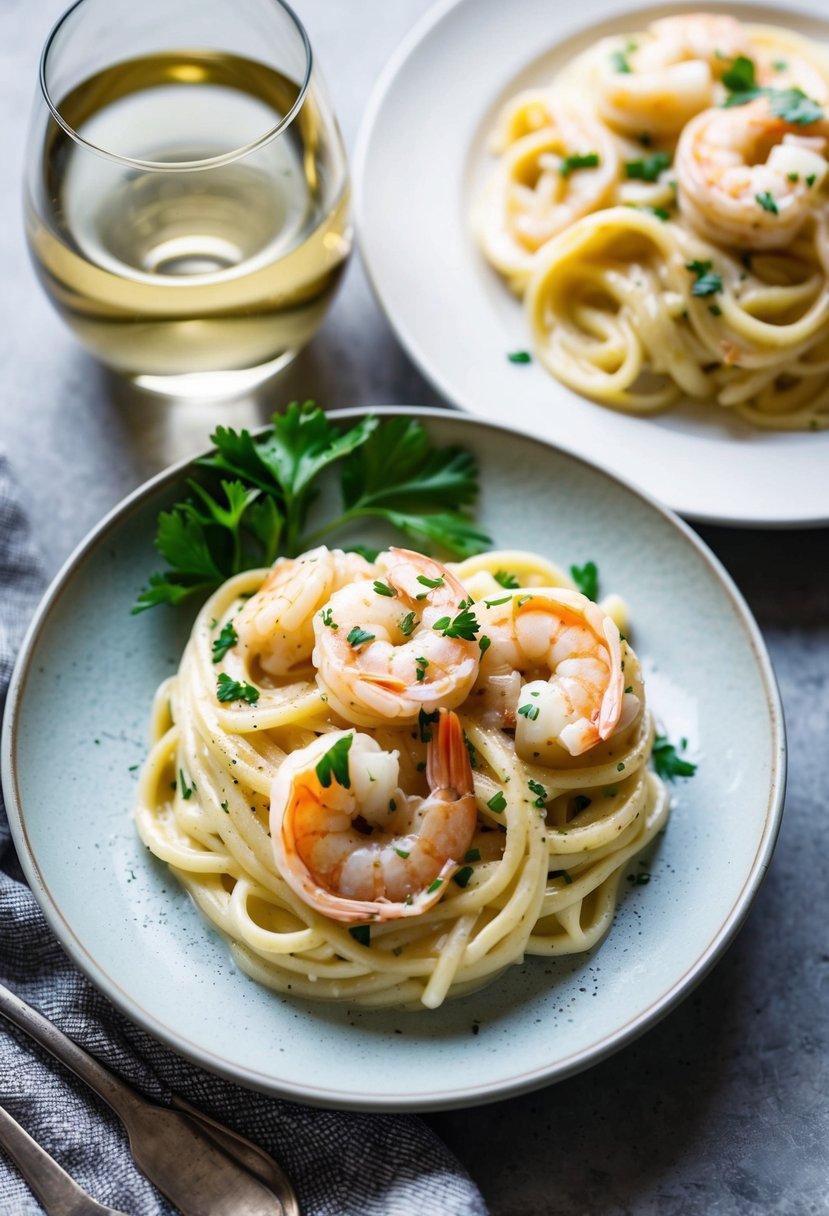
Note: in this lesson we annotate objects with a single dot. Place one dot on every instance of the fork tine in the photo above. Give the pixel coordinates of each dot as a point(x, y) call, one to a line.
point(59, 1194)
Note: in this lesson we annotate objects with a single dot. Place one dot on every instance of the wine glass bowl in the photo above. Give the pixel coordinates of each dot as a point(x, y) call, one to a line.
point(186, 194)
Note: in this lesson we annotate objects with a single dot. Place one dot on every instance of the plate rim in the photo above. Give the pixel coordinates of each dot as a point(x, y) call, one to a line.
point(422, 29)
point(676, 991)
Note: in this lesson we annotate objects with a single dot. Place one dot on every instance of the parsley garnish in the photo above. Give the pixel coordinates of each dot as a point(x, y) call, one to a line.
point(463, 876)
point(464, 625)
point(424, 723)
point(235, 690)
point(506, 580)
point(261, 489)
point(473, 855)
point(648, 168)
point(328, 619)
point(358, 637)
point(810, 179)
point(420, 668)
point(708, 282)
point(334, 764)
point(430, 582)
point(433, 886)
point(792, 105)
point(584, 160)
point(667, 763)
point(383, 588)
point(225, 807)
point(520, 356)
point(768, 202)
point(361, 934)
point(539, 791)
point(715, 310)
point(528, 711)
point(505, 599)
point(186, 790)
point(484, 644)
point(619, 59)
point(407, 624)
point(586, 578)
point(226, 640)
point(497, 802)
point(404, 853)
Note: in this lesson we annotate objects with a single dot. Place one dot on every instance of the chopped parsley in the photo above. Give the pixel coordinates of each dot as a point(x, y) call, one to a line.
point(225, 807)
point(235, 690)
point(470, 747)
point(424, 723)
point(528, 711)
point(358, 637)
point(540, 793)
point(740, 78)
point(463, 876)
point(473, 854)
point(383, 588)
point(586, 578)
point(648, 168)
point(792, 105)
point(333, 766)
point(327, 619)
point(667, 763)
point(520, 356)
point(361, 934)
point(505, 579)
point(464, 625)
point(186, 790)
point(505, 599)
point(619, 59)
point(420, 668)
point(407, 624)
point(430, 582)
point(496, 803)
point(715, 310)
point(404, 853)
point(583, 160)
point(484, 644)
point(810, 179)
point(226, 640)
point(433, 886)
point(563, 874)
point(768, 202)
point(707, 282)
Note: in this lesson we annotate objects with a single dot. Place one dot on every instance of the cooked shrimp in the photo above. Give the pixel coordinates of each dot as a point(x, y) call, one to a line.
point(658, 82)
point(553, 671)
point(399, 859)
point(545, 181)
point(406, 643)
point(747, 177)
point(276, 624)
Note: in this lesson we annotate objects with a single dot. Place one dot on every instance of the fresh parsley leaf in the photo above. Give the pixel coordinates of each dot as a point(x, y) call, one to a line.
point(507, 580)
point(619, 60)
point(226, 640)
point(648, 168)
point(740, 77)
point(424, 722)
point(358, 637)
point(263, 488)
point(707, 282)
point(497, 802)
point(667, 763)
point(584, 160)
point(528, 711)
point(383, 589)
point(520, 356)
point(463, 876)
point(407, 624)
point(235, 690)
point(768, 202)
point(333, 766)
point(463, 625)
point(792, 105)
point(586, 578)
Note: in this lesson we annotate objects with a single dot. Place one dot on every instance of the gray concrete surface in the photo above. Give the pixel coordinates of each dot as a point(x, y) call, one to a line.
point(721, 1110)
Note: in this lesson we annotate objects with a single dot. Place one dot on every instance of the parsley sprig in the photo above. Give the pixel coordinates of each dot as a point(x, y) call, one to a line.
point(792, 105)
point(261, 491)
point(667, 761)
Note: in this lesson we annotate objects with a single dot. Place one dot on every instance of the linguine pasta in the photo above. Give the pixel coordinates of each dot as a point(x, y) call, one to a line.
point(552, 833)
point(662, 209)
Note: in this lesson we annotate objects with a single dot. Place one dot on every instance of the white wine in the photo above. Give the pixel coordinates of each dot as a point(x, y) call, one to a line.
point(163, 268)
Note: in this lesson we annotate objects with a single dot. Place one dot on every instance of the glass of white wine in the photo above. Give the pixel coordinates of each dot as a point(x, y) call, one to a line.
point(186, 194)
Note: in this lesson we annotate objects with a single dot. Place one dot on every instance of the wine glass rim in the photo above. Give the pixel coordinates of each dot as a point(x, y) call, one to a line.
point(211, 162)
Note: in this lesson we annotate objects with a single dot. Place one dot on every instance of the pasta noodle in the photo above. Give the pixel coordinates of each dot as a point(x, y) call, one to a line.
point(550, 836)
point(661, 207)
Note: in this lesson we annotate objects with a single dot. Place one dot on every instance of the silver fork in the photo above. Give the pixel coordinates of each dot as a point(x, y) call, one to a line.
point(59, 1194)
point(202, 1167)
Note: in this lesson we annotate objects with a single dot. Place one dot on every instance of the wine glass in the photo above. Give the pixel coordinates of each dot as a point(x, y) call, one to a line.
point(186, 192)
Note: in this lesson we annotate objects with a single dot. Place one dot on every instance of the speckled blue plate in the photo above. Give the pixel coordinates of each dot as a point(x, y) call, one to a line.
point(77, 724)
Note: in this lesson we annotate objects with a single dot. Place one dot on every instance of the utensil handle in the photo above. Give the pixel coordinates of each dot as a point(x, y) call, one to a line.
point(122, 1100)
point(59, 1194)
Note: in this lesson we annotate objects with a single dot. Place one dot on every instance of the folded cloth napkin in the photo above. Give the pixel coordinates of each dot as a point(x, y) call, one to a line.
point(342, 1164)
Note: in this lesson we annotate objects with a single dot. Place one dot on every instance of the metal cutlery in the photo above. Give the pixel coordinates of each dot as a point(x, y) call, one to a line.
point(59, 1194)
point(205, 1169)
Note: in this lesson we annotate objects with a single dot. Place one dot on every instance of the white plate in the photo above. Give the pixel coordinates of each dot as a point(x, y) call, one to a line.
point(77, 720)
point(420, 159)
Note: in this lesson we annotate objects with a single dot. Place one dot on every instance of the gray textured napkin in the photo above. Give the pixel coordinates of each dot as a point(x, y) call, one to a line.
point(341, 1164)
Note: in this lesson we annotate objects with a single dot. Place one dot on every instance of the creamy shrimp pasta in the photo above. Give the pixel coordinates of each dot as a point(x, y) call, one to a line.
point(662, 206)
point(387, 781)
